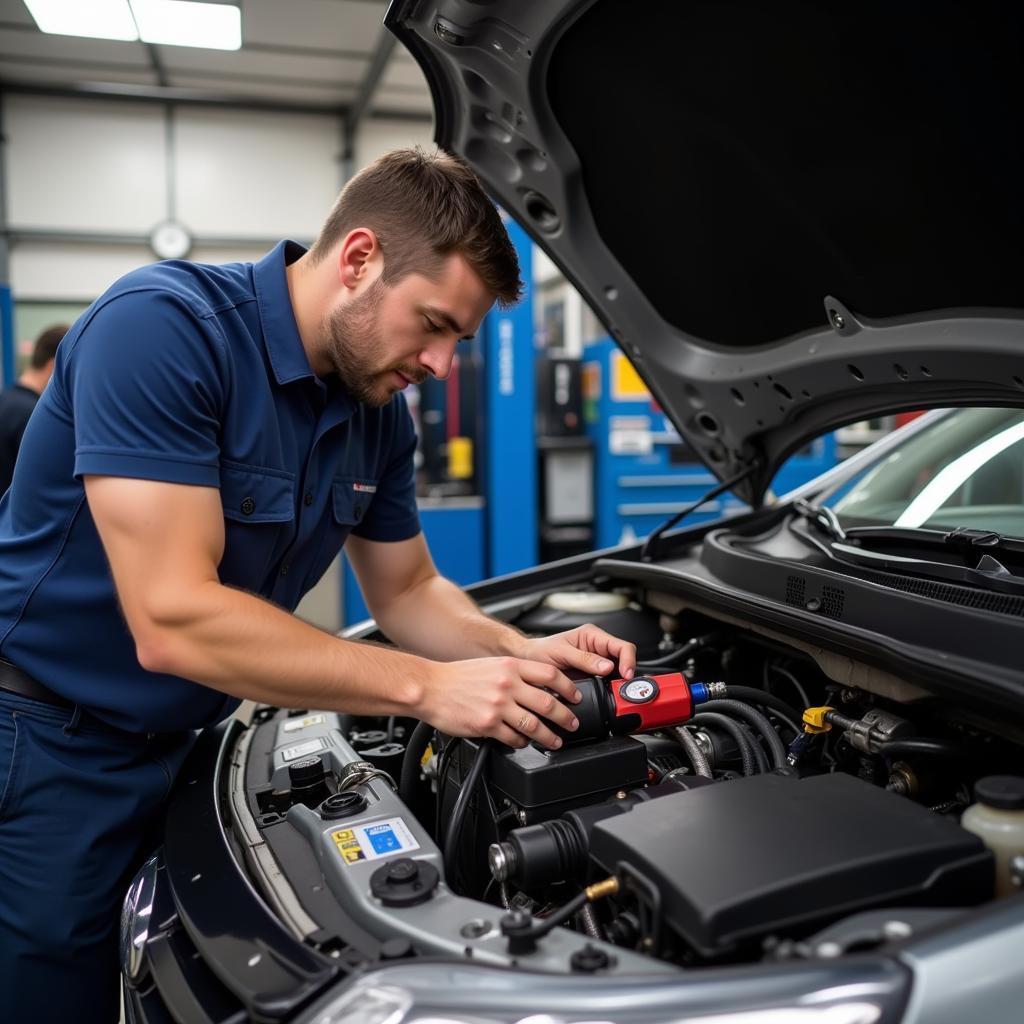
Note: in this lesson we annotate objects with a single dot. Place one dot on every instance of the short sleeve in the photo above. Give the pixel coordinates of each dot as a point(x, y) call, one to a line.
point(145, 378)
point(393, 515)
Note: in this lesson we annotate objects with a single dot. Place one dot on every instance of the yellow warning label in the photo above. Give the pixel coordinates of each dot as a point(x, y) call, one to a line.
point(348, 845)
point(626, 383)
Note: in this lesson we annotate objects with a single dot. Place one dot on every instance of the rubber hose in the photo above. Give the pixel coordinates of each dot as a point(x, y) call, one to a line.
point(417, 746)
point(759, 723)
point(736, 732)
point(922, 745)
point(461, 804)
point(760, 757)
point(751, 695)
point(698, 759)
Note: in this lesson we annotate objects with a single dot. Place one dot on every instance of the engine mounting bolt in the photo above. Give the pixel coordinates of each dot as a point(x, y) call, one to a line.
point(521, 817)
point(621, 795)
point(589, 959)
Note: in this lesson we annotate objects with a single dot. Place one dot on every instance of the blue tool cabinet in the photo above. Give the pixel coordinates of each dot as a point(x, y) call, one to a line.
point(643, 471)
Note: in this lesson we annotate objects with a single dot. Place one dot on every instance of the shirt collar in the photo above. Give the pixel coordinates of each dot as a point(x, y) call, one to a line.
point(280, 332)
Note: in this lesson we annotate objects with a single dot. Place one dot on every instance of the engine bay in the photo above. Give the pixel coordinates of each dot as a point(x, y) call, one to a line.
point(739, 801)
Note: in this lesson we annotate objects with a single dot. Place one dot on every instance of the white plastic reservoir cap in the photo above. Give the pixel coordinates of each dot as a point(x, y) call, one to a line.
point(585, 603)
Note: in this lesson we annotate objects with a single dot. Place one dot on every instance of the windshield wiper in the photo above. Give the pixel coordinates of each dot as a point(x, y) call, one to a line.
point(822, 516)
point(854, 546)
point(960, 537)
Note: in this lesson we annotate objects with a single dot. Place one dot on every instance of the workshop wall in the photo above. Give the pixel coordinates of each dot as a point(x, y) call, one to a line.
point(87, 180)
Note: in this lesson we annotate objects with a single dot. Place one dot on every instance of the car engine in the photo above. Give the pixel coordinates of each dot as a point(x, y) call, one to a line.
point(738, 800)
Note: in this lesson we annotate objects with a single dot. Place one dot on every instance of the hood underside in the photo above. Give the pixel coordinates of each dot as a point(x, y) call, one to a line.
point(790, 216)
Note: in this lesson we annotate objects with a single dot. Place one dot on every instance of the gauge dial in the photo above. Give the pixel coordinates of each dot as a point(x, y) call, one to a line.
point(639, 691)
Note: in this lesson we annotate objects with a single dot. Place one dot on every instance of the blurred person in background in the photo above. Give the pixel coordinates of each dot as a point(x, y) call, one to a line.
point(18, 401)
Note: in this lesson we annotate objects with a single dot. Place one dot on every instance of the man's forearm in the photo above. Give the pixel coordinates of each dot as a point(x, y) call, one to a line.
point(438, 621)
point(232, 641)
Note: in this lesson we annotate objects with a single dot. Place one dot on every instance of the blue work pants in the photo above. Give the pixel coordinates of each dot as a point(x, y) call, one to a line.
point(79, 806)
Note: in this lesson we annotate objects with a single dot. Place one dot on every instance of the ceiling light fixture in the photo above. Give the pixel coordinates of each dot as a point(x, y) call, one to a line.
point(188, 23)
point(94, 19)
point(213, 26)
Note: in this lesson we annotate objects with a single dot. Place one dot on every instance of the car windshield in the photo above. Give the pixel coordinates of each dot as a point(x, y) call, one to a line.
point(964, 470)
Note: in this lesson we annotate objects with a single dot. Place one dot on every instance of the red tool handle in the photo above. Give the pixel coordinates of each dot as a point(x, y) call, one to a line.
point(651, 702)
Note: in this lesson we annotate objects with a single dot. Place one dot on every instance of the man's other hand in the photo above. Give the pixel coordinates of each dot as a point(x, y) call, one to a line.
point(585, 648)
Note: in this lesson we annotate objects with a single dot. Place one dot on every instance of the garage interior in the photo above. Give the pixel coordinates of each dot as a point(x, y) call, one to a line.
point(114, 147)
point(548, 476)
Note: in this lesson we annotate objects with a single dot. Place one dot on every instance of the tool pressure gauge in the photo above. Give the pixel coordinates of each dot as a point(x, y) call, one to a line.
point(640, 690)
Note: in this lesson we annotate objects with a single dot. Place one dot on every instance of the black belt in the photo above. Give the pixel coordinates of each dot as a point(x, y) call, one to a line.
point(13, 680)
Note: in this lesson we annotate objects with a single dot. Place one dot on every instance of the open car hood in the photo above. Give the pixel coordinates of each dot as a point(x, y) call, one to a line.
point(790, 216)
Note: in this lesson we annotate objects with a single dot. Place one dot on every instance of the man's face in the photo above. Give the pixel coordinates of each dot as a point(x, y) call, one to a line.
point(390, 336)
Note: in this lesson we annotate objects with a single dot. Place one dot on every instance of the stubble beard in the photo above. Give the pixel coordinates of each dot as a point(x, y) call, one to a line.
point(352, 338)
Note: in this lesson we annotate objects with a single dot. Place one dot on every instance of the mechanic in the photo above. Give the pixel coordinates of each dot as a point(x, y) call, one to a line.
point(18, 401)
point(211, 437)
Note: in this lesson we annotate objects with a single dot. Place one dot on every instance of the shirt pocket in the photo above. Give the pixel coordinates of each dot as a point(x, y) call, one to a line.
point(352, 497)
point(350, 501)
point(259, 522)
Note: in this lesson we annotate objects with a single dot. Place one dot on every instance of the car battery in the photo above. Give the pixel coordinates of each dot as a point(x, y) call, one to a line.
point(541, 784)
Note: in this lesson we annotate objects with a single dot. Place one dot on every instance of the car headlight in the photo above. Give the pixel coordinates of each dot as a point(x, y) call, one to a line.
point(135, 919)
point(864, 993)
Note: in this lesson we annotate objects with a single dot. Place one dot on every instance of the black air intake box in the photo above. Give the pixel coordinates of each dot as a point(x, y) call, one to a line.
point(742, 859)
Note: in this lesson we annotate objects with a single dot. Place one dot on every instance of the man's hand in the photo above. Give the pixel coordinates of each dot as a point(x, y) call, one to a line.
point(499, 697)
point(586, 648)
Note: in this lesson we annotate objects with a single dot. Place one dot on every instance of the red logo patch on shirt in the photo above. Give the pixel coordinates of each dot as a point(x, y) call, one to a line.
point(365, 488)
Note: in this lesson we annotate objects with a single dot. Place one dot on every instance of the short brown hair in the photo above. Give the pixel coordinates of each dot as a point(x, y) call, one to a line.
point(424, 207)
point(46, 345)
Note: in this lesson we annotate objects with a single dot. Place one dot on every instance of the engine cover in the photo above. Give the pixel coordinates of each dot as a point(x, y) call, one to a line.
point(739, 860)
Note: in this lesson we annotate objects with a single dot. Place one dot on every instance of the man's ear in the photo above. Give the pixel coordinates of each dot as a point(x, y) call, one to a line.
point(360, 258)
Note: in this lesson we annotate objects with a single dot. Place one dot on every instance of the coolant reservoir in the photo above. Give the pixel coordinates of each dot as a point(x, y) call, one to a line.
point(584, 602)
point(998, 819)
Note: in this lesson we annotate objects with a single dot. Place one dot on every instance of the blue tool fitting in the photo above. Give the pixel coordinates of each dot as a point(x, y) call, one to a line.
point(701, 693)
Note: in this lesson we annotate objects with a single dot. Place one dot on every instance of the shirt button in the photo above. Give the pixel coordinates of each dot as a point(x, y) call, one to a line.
point(285, 568)
point(307, 498)
point(248, 506)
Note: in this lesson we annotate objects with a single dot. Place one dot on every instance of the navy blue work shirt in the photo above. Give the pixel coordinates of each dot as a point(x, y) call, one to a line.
point(188, 374)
